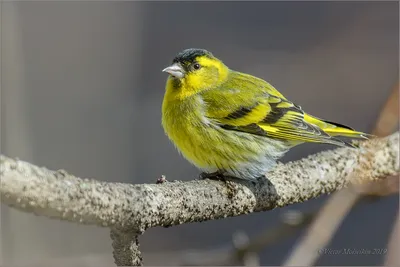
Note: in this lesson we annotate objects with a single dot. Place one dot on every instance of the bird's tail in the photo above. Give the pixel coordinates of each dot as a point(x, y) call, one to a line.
point(336, 129)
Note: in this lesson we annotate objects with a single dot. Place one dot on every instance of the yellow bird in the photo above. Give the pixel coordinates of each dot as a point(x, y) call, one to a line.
point(230, 123)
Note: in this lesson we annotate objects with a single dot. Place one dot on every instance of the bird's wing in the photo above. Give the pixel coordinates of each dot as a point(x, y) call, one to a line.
point(263, 112)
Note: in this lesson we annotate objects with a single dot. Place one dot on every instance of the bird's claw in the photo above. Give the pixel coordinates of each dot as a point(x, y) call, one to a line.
point(212, 176)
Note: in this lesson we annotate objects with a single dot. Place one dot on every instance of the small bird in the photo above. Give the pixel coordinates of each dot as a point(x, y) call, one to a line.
point(229, 123)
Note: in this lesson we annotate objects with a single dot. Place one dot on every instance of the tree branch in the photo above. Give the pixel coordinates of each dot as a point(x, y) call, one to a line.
point(58, 194)
point(130, 209)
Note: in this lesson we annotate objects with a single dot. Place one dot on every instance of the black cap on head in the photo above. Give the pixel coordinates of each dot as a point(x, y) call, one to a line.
point(189, 55)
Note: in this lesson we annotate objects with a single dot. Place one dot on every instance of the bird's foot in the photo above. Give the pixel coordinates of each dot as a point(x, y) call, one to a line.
point(218, 176)
point(213, 176)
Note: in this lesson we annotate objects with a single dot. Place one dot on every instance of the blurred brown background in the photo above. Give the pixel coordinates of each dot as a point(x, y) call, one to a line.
point(82, 87)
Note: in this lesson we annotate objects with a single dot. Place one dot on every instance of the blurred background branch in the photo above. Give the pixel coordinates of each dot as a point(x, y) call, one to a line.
point(393, 257)
point(245, 250)
point(339, 205)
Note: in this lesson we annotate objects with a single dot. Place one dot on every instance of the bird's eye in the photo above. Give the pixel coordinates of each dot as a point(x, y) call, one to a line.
point(196, 66)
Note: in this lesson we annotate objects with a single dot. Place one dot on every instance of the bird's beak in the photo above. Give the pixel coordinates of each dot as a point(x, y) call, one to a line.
point(175, 70)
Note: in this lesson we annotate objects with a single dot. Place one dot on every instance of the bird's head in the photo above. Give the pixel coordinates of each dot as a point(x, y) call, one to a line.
point(195, 70)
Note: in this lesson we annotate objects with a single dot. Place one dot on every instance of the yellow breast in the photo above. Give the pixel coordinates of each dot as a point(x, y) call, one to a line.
point(186, 127)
